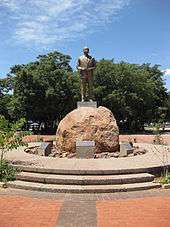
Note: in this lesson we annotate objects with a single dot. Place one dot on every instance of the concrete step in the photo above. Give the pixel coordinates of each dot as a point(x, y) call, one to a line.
point(79, 169)
point(81, 188)
point(84, 179)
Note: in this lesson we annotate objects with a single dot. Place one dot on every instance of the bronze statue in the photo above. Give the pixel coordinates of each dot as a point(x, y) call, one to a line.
point(86, 64)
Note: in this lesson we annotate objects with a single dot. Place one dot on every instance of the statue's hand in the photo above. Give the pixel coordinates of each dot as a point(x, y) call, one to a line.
point(80, 68)
point(91, 68)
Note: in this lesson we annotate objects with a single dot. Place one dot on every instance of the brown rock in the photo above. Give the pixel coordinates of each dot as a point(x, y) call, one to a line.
point(88, 123)
point(138, 151)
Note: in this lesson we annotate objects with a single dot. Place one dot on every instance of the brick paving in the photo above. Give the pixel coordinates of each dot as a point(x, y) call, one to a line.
point(143, 212)
point(19, 208)
point(18, 211)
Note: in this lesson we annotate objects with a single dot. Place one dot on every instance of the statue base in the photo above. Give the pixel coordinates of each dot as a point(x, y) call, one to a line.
point(88, 124)
point(87, 104)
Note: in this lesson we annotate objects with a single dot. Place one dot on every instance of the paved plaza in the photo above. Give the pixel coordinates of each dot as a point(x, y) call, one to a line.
point(21, 208)
point(24, 208)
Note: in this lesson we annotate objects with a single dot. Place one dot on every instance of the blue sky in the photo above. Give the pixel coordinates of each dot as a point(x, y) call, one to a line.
point(137, 31)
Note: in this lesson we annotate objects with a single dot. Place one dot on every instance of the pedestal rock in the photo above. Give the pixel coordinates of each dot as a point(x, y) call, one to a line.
point(88, 123)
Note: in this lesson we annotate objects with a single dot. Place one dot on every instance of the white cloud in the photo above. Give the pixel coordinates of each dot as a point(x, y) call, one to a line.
point(11, 4)
point(45, 22)
point(166, 72)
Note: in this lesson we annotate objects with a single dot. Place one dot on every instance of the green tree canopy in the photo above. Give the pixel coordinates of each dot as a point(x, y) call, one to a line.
point(44, 90)
point(168, 107)
point(133, 92)
point(5, 96)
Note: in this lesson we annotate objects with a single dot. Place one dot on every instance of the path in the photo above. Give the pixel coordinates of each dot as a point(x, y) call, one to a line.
point(143, 209)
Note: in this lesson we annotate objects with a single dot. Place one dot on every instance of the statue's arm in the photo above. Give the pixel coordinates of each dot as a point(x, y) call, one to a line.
point(78, 65)
point(93, 64)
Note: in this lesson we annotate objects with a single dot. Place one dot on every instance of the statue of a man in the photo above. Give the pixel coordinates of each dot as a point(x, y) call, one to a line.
point(86, 64)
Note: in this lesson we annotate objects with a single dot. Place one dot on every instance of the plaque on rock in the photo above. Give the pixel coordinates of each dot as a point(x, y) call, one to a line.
point(87, 104)
point(125, 149)
point(85, 149)
point(45, 148)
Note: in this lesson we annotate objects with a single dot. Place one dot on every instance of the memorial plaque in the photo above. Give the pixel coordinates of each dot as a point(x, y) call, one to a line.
point(85, 149)
point(125, 149)
point(86, 104)
point(45, 148)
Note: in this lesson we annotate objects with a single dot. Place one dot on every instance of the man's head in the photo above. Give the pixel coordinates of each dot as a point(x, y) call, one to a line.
point(85, 50)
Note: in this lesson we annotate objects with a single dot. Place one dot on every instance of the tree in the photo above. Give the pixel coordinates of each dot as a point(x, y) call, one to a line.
point(5, 96)
point(44, 90)
point(133, 92)
point(168, 107)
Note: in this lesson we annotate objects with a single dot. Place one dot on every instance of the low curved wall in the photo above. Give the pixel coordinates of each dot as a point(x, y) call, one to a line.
point(139, 138)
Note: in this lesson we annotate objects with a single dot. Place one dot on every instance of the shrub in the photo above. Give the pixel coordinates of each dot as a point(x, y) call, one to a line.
point(10, 138)
point(165, 179)
point(7, 172)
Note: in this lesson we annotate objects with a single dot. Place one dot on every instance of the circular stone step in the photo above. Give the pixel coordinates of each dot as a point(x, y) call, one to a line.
point(87, 171)
point(84, 179)
point(81, 189)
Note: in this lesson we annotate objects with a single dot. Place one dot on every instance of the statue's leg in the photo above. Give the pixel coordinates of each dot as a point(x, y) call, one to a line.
point(86, 90)
point(90, 87)
point(83, 88)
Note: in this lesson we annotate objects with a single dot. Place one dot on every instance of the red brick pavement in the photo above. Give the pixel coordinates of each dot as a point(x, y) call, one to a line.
point(23, 211)
point(16, 211)
point(143, 212)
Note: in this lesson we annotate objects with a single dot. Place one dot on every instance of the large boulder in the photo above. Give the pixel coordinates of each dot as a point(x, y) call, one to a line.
point(88, 123)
